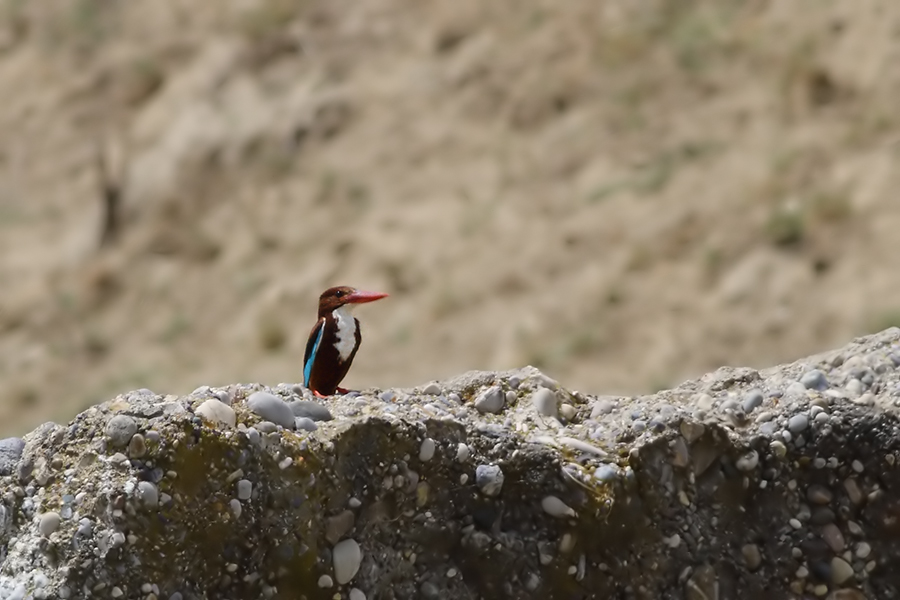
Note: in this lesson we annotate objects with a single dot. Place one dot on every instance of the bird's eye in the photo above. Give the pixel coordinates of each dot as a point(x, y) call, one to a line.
point(339, 293)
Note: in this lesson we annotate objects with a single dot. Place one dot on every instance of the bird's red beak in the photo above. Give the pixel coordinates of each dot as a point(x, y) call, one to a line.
point(360, 297)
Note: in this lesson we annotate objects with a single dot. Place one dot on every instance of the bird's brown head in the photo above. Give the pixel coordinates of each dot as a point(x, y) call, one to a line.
point(336, 297)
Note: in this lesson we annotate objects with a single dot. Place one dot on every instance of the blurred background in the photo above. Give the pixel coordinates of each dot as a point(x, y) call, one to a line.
point(624, 194)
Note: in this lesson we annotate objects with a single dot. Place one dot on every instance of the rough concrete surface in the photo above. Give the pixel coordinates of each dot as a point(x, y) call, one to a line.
point(781, 483)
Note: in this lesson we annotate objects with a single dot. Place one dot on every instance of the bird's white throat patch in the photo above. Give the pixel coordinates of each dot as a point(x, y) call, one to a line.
point(346, 331)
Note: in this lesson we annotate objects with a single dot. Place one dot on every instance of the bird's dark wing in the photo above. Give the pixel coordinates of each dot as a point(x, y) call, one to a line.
point(312, 346)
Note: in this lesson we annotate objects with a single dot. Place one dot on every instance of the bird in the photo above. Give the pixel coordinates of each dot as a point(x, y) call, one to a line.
point(334, 339)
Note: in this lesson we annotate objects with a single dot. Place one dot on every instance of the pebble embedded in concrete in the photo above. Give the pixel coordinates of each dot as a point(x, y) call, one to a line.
point(545, 402)
point(119, 430)
point(347, 557)
point(216, 411)
point(490, 400)
point(272, 408)
point(244, 490)
point(489, 479)
point(555, 507)
point(49, 523)
point(427, 449)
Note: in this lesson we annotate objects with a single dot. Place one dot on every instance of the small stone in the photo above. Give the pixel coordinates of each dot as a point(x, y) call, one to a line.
point(798, 423)
point(566, 543)
point(568, 412)
point(432, 389)
point(601, 407)
point(346, 556)
point(310, 410)
point(680, 455)
point(489, 479)
point(555, 507)
point(271, 407)
point(10, 452)
point(137, 448)
point(216, 411)
point(748, 461)
point(116, 592)
point(511, 397)
point(863, 550)
point(853, 492)
point(148, 494)
point(119, 430)
point(752, 556)
point(752, 400)
point(814, 380)
point(325, 581)
point(606, 473)
point(304, 424)
point(338, 526)
point(545, 402)
point(490, 400)
point(356, 594)
point(833, 537)
point(855, 388)
point(49, 522)
point(692, 431)
point(462, 452)
point(236, 508)
point(427, 449)
point(819, 494)
point(778, 448)
point(841, 570)
point(244, 490)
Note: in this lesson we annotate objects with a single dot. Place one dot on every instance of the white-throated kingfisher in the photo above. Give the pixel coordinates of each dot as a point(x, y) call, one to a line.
point(334, 339)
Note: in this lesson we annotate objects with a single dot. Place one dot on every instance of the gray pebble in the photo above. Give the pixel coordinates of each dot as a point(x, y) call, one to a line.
point(215, 411)
point(244, 489)
point(272, 408)
point(814, 380)
point(305, 424)
point(10, 453)
point(339, 525)
point(752, 556)
point(148, 493)
point(841, 570)
point(798, 423)
point(119, 430)
point(346, 557)
point(462, 452)
point(490, 400)
point(236, 507)
point(253, 435)
point(555, 507)
point(601, 407)
point(310, 410)
point(545, 402)
point(855, 388)
point(606, 473)
point(387, 395)
point(432, 389)
point(85, 527)
point(752, 399)
point(427, 449)
point(639, 425)
point(49, 523)
point(795, 390)
point(489, 479)
point(325, 581)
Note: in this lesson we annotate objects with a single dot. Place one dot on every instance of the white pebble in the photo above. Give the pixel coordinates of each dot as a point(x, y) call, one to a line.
point(357, 594)
point(346, 556)
point(49, 522)
point(555, 507)
point(462, 453)
point(325, 581)
point(236, 508)
point(244, 489)
point(426, 450)
point(217, 412)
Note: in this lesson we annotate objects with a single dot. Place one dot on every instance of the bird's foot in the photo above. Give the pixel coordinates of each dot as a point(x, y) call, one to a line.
point(343, 391)
point(318, 395)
